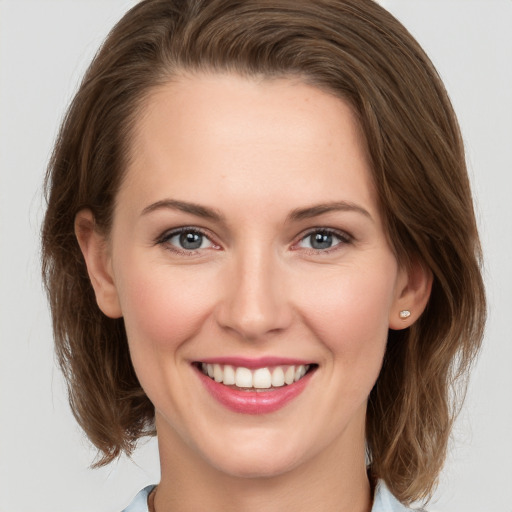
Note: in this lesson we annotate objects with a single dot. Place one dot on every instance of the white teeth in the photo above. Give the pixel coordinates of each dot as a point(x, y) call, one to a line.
point(218, 374)
point(289, 375)
point(260, 378)
point(278, 377)
point(299, 372)
point(229, 375)
point(243, 378)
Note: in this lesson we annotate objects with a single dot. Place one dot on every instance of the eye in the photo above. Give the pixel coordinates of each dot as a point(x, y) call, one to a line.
point(323, 240)
point(186, 240)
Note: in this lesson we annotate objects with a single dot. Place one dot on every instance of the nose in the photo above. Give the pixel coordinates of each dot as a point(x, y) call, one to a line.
point(255, 303)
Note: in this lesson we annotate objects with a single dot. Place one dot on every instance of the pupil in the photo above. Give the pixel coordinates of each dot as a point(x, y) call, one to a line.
point(321, 240)
point(191, 240)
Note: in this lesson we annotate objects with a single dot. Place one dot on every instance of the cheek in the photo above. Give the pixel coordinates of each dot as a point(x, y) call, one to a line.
point(349, 310)
point(162, 307)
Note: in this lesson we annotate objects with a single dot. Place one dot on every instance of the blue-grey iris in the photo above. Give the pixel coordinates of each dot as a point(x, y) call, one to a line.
point(190, 240)
point(321, 240)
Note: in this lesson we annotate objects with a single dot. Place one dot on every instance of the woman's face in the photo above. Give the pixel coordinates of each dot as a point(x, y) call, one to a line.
point(247, 237)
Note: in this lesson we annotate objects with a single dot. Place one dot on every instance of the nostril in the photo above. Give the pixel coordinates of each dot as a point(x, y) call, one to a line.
point(252, 323)
point(254, 303)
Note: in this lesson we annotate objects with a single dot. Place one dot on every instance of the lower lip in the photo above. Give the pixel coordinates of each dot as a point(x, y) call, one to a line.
point(254, 402)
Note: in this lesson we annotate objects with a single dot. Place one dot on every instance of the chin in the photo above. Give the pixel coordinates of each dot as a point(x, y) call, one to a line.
point(257, 467)
point(258, 457)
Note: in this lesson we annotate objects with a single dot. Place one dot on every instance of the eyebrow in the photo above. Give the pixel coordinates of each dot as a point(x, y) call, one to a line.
point(296, 215)
point(194, 209)
point(320, 209)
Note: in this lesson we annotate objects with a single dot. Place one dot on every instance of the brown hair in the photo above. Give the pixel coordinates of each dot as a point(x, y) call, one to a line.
point(356, 50)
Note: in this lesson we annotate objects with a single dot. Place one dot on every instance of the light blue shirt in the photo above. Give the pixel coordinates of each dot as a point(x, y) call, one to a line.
point(383, 501)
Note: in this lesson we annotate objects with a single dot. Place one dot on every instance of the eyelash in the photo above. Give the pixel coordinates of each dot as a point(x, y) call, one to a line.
point(343, 237)
point(164, 240)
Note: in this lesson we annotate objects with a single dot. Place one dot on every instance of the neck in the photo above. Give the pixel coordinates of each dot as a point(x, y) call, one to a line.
point(334, 480)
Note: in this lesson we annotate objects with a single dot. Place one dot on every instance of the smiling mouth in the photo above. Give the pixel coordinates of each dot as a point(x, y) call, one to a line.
point(258, 379)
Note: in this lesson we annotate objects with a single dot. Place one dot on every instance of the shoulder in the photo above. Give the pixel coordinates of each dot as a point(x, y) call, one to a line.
point(140, 502)
point(384, 501)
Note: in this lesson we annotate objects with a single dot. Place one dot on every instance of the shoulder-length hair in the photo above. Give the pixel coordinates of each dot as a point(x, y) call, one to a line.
point(357, 51)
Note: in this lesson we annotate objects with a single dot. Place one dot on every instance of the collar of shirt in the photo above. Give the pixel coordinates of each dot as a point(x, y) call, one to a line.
point(383, 501)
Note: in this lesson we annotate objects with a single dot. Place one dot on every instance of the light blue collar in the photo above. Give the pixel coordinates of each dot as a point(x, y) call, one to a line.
point(383, 500)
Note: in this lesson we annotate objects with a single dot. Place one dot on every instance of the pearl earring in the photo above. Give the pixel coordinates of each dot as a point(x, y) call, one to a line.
point(405, 314)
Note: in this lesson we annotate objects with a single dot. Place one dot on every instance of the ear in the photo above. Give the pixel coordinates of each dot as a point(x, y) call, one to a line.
point(95, 250)
point(414, 285)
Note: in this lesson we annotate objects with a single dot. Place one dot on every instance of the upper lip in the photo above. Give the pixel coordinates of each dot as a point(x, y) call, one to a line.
point(259, 362)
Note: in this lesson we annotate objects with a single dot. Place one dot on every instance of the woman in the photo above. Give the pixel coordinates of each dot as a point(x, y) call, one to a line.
point(260, 243)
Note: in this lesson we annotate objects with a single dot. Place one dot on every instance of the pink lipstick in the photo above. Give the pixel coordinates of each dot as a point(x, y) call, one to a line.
point(254, 386)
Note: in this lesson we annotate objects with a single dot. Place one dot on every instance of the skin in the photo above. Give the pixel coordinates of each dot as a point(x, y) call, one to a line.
point(254, 152)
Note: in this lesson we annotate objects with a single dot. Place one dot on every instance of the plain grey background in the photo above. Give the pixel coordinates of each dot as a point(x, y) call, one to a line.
point(45, 46)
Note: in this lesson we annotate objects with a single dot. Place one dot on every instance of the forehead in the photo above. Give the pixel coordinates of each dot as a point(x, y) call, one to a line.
point(206, 137)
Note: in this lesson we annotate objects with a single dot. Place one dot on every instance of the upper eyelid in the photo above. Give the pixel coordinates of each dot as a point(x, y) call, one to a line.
point(166, 235)
point(164, 241)
point(338, 232)
point(345, 240)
